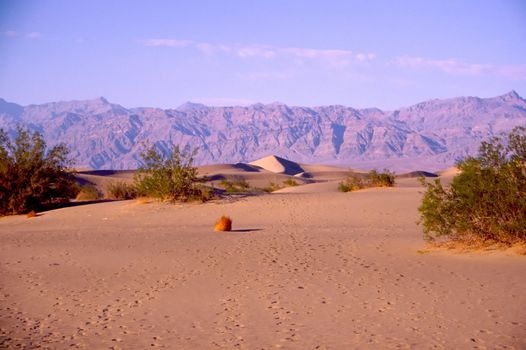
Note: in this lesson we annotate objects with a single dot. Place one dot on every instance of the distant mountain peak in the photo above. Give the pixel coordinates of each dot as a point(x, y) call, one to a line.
point(10, 108)
point(190, 106)
point(97, 100)
point(512, 95)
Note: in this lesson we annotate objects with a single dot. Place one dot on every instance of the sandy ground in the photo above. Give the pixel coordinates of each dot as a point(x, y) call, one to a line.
point(306, 268)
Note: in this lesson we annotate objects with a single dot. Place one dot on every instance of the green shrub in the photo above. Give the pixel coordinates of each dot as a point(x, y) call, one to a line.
point(31, 175)
point(486, 201)
point(88, 192)
point(352, 183)
point(120, 190)
point(385, 179)
point(170, 177)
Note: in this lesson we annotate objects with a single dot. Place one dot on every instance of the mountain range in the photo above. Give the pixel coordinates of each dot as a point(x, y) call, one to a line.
point(431, 135)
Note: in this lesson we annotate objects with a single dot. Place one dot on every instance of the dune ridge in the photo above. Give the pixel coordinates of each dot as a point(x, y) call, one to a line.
point(278, 165)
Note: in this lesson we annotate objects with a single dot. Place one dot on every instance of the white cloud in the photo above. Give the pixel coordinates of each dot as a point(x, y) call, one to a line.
point(456, 66)
point(316, 53)
point(256, 51)
point(167, 42)
point(333, 56)
point(210, 49)
point(363, 57)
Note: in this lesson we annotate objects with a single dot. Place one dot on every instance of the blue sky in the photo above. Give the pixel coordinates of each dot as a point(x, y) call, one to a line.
point(385, 54)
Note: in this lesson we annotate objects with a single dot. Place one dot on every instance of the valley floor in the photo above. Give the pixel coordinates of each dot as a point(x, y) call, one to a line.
point(309, 269)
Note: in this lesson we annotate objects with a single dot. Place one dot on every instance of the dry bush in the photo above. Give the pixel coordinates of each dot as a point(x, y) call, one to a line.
point(223, 224)
point(120, 190)
point(31, 214)
point(290, 182)
point(272, 186)
point(205, 193)
point(354, 182)
point(88, 192)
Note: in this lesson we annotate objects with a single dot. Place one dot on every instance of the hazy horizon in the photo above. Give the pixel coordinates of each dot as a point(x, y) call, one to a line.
point(245, 105)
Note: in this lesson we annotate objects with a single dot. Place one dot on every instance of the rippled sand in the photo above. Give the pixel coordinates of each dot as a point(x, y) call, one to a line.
point(309, 268)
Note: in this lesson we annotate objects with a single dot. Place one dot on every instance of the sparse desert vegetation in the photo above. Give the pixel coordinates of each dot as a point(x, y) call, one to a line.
point(303, 246)
point(119, 190)
point(213, 189)
point(236, 185)
point(342, 255)
point(171, 176)
point(385, 179)
point(351, 183)
point(88, 192)
point(290, 182)
point(31, 175)
point(354, 182)
point(486, 201)
point(273, 186)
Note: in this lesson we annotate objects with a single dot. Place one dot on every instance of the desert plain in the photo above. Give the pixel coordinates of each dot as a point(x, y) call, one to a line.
point(305, 267)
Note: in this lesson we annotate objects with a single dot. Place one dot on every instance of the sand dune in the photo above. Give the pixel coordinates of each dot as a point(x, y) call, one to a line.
point(101, 178)
point(307, 267)
point(329, 270)
point(278, 165)
point(258, 174)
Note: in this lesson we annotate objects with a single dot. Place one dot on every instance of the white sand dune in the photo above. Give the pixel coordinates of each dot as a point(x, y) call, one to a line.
point(312, 268)
point(278, 165)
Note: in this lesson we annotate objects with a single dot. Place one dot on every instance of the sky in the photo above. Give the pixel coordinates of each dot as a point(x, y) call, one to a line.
point(156, 53)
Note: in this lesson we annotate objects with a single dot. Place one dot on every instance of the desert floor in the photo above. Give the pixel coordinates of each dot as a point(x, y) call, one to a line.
point(305, 268)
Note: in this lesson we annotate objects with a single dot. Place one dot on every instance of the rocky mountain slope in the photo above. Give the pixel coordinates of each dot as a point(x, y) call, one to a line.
point(430, 135)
